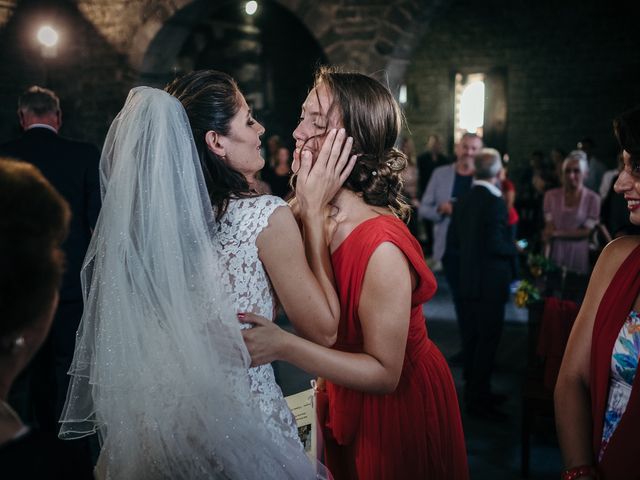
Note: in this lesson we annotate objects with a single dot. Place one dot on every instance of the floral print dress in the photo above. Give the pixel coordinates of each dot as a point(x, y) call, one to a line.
point(624, 363)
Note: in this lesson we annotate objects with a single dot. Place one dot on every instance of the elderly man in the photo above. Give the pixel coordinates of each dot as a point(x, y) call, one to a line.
point(480, 233)
point(72, 168)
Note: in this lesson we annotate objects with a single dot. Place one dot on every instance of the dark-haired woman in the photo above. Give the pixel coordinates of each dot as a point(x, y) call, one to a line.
point(392, 405)
point(34, 223)
point(182, 242)
point(257, 238)
point(597, 395)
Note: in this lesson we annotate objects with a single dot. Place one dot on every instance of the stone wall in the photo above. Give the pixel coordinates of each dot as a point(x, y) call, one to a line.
point(106, 43)
point(571, 67)
point(88, 74)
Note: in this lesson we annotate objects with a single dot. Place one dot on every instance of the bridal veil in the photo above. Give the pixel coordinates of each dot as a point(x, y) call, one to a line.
point(160, 367)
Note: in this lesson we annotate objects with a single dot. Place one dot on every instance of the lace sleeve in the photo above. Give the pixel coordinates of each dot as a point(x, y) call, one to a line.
point(253, 215)
point(238, 231)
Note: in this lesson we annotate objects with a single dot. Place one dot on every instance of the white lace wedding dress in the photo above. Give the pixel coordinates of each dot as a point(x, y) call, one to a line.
point(160, 366)
point(251, 291)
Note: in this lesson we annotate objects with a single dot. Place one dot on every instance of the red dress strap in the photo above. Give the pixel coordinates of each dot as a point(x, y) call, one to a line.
point(368, 236)
point(623, 449)
point(350, 261)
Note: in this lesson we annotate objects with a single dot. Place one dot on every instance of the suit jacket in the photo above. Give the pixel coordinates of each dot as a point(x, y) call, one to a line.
point(426, 166)
point(438, 191)
point(479, 232)
point(72, 168)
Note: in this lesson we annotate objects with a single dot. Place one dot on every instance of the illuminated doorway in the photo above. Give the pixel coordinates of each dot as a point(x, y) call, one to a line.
point(480, 106)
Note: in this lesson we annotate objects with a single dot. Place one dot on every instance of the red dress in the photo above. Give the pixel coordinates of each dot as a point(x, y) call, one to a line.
point(414, 432)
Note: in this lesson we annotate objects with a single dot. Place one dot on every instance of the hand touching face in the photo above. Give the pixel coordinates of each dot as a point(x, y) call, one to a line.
point(316, 120)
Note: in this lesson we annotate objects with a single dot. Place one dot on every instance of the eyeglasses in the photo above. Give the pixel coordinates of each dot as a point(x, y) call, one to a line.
point(572, 170)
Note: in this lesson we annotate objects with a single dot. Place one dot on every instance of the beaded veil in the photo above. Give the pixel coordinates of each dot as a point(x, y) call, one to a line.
point(160, 367)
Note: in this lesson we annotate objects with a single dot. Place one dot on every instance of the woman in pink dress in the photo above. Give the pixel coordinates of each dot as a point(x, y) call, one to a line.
point(571, 212)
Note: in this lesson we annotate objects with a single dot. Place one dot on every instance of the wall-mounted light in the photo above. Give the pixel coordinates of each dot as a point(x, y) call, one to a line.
point(251, 7)
point(47, 36)
point(402, 95)
point(48, 39)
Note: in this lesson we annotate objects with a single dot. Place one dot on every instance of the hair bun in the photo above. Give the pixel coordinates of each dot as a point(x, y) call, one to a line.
point(395, 159)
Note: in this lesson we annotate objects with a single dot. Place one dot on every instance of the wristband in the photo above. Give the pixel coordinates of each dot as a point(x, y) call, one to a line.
point(577, 472)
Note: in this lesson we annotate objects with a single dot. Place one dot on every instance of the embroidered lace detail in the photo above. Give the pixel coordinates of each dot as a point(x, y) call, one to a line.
point(251, 291)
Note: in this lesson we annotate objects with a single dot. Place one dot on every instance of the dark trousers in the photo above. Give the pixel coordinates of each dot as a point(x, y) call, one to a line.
point(481, 323)
point(451, 267)
point(427, 243)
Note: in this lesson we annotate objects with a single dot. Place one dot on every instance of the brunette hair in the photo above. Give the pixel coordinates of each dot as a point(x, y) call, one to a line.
point(211, 100)
point(372, 117)
point(33, 225)
point(627, 130)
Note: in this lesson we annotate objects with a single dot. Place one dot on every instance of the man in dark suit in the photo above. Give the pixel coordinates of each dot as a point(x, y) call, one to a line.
point(72, 168)
point(479, 232)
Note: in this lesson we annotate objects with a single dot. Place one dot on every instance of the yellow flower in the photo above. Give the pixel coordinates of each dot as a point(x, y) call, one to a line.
point(521, 298)
point(536, 270)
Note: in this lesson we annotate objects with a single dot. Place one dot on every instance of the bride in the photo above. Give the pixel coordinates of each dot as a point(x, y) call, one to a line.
point(160, 366)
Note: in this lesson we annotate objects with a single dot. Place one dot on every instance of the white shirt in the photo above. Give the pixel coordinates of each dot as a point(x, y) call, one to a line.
point(41, 125)
point(490, 186)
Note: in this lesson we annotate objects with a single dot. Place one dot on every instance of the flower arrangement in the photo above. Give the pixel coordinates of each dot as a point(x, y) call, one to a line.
point(539, 264)
point(526, 294)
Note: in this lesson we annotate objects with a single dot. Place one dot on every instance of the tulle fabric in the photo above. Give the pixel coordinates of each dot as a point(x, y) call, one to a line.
point(160, 367)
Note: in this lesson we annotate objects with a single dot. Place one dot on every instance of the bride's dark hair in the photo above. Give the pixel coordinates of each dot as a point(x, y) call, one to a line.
point(211, 100)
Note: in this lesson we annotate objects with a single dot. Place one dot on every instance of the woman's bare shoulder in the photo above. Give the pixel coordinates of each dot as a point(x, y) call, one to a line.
point(621, 247)
point(614, 254)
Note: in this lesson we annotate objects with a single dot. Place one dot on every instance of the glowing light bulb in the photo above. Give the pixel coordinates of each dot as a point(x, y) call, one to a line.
point(251, 7)
point(47, 36)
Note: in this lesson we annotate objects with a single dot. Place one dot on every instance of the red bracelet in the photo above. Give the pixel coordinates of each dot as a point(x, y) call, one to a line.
point(577, 472)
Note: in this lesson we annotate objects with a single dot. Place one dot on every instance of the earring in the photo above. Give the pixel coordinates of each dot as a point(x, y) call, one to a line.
point(13, 345)
point(17, 344)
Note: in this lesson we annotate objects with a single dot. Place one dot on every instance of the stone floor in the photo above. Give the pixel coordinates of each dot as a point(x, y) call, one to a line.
point(493, 449)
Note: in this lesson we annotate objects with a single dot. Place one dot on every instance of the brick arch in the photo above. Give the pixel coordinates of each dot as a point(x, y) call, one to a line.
point(373, 37)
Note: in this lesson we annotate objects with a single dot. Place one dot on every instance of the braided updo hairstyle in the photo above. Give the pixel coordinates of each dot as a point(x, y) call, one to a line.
point(372, 117)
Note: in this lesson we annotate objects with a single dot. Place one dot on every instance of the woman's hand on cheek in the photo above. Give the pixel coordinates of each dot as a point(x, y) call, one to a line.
point(295, 164)
point(264, 341)
point(319, 182)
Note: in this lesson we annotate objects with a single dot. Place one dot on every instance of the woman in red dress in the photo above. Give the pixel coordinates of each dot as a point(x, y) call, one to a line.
point(392, 406)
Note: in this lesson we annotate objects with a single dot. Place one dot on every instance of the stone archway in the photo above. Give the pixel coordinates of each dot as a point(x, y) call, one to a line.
point(373, 37)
